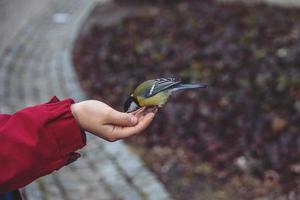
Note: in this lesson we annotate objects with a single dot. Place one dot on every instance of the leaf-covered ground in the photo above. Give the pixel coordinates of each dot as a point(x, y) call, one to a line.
point(240, 138)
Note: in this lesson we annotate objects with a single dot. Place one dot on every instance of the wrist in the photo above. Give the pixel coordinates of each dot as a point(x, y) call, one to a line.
point(74, 110)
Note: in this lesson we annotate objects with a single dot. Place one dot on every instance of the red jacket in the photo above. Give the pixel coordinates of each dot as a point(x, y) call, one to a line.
point(36, 141)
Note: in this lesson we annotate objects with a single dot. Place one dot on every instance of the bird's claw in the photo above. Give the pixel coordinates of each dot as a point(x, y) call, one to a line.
point(144, 110)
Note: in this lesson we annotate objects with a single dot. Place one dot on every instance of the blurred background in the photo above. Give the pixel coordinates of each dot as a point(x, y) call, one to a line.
point(238, 139)
point(14, 14)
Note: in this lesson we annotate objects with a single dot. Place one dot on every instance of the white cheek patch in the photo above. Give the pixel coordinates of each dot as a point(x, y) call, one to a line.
point(133, 106)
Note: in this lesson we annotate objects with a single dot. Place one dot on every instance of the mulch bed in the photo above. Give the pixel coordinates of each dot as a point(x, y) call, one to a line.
point(240, 138)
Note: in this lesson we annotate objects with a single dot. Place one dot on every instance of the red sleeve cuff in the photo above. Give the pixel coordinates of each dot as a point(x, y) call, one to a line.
point(37, 140)
point(62, 125)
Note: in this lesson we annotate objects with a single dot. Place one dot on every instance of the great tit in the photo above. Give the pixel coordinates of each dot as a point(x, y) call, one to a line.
point(156, 93)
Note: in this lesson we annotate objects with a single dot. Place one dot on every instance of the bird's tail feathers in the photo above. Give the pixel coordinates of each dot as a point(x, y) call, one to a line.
point(183, 86)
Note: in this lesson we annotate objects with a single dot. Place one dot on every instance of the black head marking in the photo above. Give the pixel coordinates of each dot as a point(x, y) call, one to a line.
point(130, 101)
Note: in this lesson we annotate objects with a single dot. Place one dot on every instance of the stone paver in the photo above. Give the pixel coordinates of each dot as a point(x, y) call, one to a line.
point(14, 14)
point(36, 65)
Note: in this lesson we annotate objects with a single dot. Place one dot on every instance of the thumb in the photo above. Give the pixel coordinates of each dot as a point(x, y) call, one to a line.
point(122, 119)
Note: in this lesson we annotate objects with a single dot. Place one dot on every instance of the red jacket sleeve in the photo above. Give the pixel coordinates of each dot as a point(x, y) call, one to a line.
point(36, 141)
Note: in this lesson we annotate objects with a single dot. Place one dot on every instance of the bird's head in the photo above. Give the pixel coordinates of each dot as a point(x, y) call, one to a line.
point(131, 104)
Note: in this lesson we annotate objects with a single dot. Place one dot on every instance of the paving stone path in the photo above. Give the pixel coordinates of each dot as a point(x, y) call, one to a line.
point(37, 65)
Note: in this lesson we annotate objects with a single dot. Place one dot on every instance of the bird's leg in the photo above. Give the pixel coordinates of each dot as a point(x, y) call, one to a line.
point(157, 107)
point(161, 105)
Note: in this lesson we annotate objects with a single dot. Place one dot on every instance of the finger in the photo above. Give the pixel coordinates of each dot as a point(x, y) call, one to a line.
point(121, 119)
point(144, 122)
point(144, 111)
point(153, 109)
point(140, 112)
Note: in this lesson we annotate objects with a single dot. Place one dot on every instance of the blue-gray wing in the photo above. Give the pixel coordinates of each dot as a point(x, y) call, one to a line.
point(161, 85)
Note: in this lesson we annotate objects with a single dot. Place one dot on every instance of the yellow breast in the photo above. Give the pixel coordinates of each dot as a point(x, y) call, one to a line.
point(156, 100)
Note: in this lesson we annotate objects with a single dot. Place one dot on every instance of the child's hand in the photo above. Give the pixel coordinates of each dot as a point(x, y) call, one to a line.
point(105, 122)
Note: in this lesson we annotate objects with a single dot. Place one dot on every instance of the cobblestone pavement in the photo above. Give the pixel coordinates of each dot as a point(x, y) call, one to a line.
point(13, 16)
point(37, 65)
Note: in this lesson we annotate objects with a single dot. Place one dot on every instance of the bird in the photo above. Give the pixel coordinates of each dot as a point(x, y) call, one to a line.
point(156, 92)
